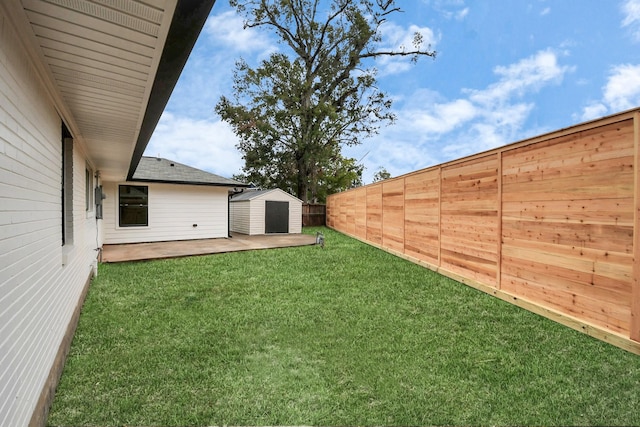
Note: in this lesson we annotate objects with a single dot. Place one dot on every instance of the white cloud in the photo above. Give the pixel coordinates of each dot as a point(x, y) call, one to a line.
point(432, 130)
point(460, 15)
point(438, 118)
point(397, 157)
point(593, 111)
point(527, 75)
point(203, 144)
point(499, 118)
point(398, 39)
point(621, 92)
point(228, 29)
point(491, 129)
point(623, 88)
point(545, 11)
point(388, 66)
point(451, 9)
point(631, 10)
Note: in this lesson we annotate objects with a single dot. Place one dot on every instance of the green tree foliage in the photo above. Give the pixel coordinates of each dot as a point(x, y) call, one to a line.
point(381, 175)
point(296, 111)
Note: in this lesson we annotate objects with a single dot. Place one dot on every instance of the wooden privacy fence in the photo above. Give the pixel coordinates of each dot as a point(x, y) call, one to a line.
point(313, 214)
point(550, 224)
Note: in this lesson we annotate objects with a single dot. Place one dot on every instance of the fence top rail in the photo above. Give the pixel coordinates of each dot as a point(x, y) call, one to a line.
point(580, 127)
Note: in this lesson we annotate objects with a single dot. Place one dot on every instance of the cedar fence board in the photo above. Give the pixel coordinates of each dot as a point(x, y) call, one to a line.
point(551, 224)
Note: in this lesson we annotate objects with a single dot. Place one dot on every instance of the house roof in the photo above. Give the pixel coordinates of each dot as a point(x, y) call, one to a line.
point(252, 194)
point(157, 169)
point(109, 67)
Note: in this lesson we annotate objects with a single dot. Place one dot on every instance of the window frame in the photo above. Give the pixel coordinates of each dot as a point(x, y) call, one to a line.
point(144, 189)
point(89, 191)
point(67, 187)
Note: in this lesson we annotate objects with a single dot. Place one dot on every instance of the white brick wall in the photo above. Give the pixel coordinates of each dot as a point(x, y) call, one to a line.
point(37, 293)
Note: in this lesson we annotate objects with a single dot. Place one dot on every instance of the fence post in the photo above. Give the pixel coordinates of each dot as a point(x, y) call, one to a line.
point(634, 326)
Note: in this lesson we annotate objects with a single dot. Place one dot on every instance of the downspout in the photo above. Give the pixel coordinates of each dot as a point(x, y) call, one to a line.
point(97, 201)
point(229, 196)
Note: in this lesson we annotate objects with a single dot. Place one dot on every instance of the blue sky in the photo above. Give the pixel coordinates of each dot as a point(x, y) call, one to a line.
point(505, 71)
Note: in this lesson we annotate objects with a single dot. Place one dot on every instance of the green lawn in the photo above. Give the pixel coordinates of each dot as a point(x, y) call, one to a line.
point(345, 335)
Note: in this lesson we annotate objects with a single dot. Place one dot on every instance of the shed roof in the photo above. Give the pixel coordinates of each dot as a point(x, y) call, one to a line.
point(252, 194)
point(157, 169)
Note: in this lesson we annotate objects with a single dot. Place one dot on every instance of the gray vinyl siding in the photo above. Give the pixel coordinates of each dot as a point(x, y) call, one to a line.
point(257, 213)
point(38, 294)
point(295, 210)
point(173, 210)
point(295, 217)
point(248, 216)
point(240, 221)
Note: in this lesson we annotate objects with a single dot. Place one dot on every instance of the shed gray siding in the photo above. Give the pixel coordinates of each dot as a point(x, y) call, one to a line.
point(241, 217)
point(248, 211)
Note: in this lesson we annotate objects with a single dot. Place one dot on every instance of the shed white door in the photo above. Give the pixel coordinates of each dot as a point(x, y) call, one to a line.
point(276, 217)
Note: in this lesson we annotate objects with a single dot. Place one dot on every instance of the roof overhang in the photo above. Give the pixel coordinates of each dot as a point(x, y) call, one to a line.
point(109, 67)
point(196, 183)
point(188, 20)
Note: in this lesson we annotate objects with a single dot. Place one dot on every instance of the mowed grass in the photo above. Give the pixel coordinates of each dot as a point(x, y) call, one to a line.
point(345, 335)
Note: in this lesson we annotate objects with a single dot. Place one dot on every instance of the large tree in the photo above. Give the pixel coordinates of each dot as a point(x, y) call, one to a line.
point(297, 109)
point(381, 175)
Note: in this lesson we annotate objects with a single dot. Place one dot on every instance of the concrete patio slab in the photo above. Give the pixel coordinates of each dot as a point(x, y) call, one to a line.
point(175, 249)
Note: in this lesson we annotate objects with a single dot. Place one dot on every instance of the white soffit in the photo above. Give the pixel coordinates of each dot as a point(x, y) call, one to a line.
point(102, 56)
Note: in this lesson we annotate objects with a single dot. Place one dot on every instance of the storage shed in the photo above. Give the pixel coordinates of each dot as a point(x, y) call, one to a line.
point(265, 212)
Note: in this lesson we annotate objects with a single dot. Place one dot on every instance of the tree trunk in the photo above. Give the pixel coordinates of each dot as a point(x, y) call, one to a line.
point(303, 187)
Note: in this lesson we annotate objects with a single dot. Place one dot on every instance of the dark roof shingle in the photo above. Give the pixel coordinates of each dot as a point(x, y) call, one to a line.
point(157, 169)
point(248, 195)
point(252, 194)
